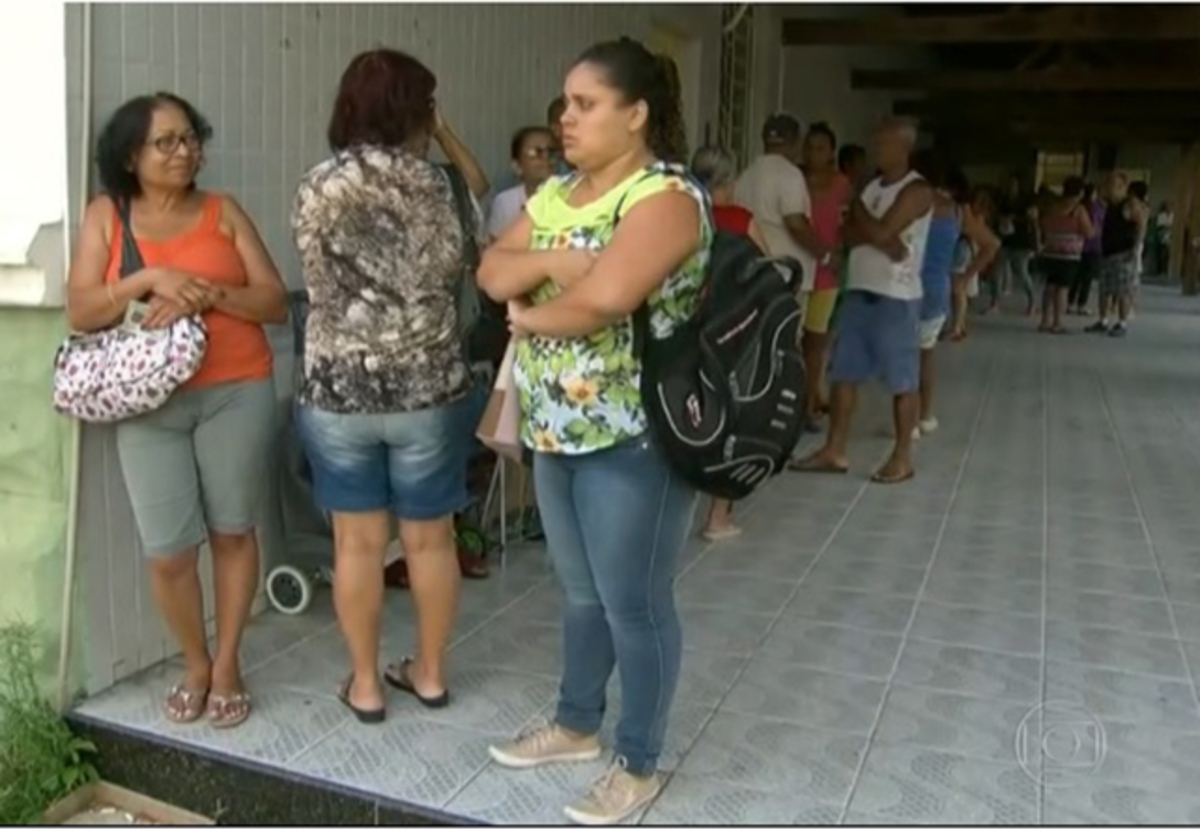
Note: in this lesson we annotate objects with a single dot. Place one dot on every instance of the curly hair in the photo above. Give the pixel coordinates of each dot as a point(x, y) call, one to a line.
point(385, 97)
point(127, 130)
point(640, 75)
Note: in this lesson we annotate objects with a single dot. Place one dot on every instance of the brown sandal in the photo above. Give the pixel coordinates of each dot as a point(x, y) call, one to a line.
point(185, 705)
point(228, 710)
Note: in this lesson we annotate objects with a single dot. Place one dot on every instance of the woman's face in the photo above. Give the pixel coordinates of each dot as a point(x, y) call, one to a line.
point(599, 125)
point(534, 164)
point(172, 154)
point(818, 152)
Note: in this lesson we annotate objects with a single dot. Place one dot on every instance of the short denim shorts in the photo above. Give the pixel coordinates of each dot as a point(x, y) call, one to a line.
point(413, 464)
point(878, 337)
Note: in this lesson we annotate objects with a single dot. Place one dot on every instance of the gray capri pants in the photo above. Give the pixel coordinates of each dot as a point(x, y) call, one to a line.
point(198, 464)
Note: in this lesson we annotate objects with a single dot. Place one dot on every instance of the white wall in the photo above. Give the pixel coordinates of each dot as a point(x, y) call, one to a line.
point(816, 79)
point(265, 75)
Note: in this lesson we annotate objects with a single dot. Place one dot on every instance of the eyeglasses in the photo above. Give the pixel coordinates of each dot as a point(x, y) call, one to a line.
point(169, 143)
point(539, 152)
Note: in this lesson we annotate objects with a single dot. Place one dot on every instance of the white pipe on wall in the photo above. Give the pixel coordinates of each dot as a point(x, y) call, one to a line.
point(85, 152)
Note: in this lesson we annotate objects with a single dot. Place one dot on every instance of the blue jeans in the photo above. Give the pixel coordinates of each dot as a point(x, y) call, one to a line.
point(615, 522)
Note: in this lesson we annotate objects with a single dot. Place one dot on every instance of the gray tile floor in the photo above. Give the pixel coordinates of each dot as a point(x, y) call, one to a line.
point(1013, 638)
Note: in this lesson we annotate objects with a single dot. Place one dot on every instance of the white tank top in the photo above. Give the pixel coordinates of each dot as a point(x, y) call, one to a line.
point(873, 271)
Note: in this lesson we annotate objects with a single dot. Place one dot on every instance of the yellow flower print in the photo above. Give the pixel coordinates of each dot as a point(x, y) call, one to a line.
point(546, 442)
point(580, 392)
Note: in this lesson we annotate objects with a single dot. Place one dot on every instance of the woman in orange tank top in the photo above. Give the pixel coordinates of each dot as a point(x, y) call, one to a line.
point(196, 468)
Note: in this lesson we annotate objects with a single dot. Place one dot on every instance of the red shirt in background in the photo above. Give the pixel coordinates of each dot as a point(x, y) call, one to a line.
point(827, 224)
point(732, 219)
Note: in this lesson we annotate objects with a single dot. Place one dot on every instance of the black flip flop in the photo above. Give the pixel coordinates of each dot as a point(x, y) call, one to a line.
point(365, 717)
point(401, 682)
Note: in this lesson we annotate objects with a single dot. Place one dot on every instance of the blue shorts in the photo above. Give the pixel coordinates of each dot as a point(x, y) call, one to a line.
point(877, 338)
point(413, 464)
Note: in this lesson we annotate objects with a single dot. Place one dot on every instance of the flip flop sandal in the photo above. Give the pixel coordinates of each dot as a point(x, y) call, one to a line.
point(884, 479)
point(717, 535)
point(366, 717)
point(396, 676)
point(804, 467)
point(185, 705)
point(228, 710)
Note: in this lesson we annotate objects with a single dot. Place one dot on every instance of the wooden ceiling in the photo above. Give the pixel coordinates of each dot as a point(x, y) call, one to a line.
point(1079, 72)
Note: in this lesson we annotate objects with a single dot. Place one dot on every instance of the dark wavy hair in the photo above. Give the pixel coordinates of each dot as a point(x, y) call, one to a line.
point(640, 75)
point(385, 97)
point(822, 128)
point(126, 132)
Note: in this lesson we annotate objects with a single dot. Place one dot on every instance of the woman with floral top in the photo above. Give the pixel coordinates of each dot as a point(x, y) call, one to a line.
point(383, 405)
point(616, 517)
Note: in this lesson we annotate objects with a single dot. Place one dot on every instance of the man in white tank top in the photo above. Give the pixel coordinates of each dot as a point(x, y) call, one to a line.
point(878, 324)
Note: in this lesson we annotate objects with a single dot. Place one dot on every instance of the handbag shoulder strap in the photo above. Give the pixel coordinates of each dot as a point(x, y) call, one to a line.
point(131, 255)
point(464, 206)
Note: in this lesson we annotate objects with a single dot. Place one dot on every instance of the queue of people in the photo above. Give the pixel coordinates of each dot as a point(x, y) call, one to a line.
point(385, 401)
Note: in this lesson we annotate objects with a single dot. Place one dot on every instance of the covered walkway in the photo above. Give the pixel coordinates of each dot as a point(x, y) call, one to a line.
point(1013, 638)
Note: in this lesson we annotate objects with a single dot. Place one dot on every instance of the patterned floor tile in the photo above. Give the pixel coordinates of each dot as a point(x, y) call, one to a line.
point(983, 729)
point(985, 592)
point(522, 646)
point(776, 690)
point(875, 576)
point(776, 757)
point(711, 630)
point(711, 801)
point(845, 607)
point(734, 591)
point(1100, 577)
point(1013, 565)
point(1148, 655)
point(1099, 803)
point(1117, 612)
point(917, 786)
point(837, 649)
point(901, 551)
point(405, 759)
point(1123, 697)
point(970, 671)
point(978, 628)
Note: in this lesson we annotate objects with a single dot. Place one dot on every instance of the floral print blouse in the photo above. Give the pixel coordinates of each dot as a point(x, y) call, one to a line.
point(381, 247)
point(580, 395)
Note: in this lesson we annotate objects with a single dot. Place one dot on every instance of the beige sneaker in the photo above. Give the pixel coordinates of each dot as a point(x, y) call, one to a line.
point(544, 742)
point(614, 797)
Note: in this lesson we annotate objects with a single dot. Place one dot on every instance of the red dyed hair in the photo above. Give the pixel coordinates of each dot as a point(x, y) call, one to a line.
point(384, 98)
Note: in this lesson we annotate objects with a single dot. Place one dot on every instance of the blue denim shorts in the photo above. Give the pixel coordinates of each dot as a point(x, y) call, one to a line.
point(877, 338)
point(414, 464)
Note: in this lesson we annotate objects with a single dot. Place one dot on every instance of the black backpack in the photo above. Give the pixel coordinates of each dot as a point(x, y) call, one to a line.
point(724, 393)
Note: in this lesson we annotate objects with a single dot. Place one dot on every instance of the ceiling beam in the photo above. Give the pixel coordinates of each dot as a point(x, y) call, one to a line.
point(1139, 79)
point(1090, 22)
point(1110, 107)
point(1176, 132)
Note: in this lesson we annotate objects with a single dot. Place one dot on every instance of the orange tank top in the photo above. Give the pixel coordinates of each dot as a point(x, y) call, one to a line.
point(237, 349)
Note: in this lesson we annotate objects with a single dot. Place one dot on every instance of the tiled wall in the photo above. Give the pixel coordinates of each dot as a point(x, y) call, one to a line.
point(265, 74)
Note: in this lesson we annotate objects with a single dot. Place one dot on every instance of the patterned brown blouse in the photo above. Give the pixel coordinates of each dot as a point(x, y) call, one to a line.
point(381, 248)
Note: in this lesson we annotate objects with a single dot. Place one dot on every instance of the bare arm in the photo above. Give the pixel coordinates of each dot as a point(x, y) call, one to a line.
point(1035, 220)
point(92, 304)
point(913, 202)
point(802, 231)
point(461, 157)
point(510, 270)
point(263, 299)
point(756, 236)
point(1085, 222)
point(653, 239)
point(987, 244)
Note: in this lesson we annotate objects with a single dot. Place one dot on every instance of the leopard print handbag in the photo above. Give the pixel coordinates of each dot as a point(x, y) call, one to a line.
point(125, 371)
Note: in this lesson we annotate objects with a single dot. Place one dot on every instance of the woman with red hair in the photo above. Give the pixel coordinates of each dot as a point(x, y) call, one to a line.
point(383, 403)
